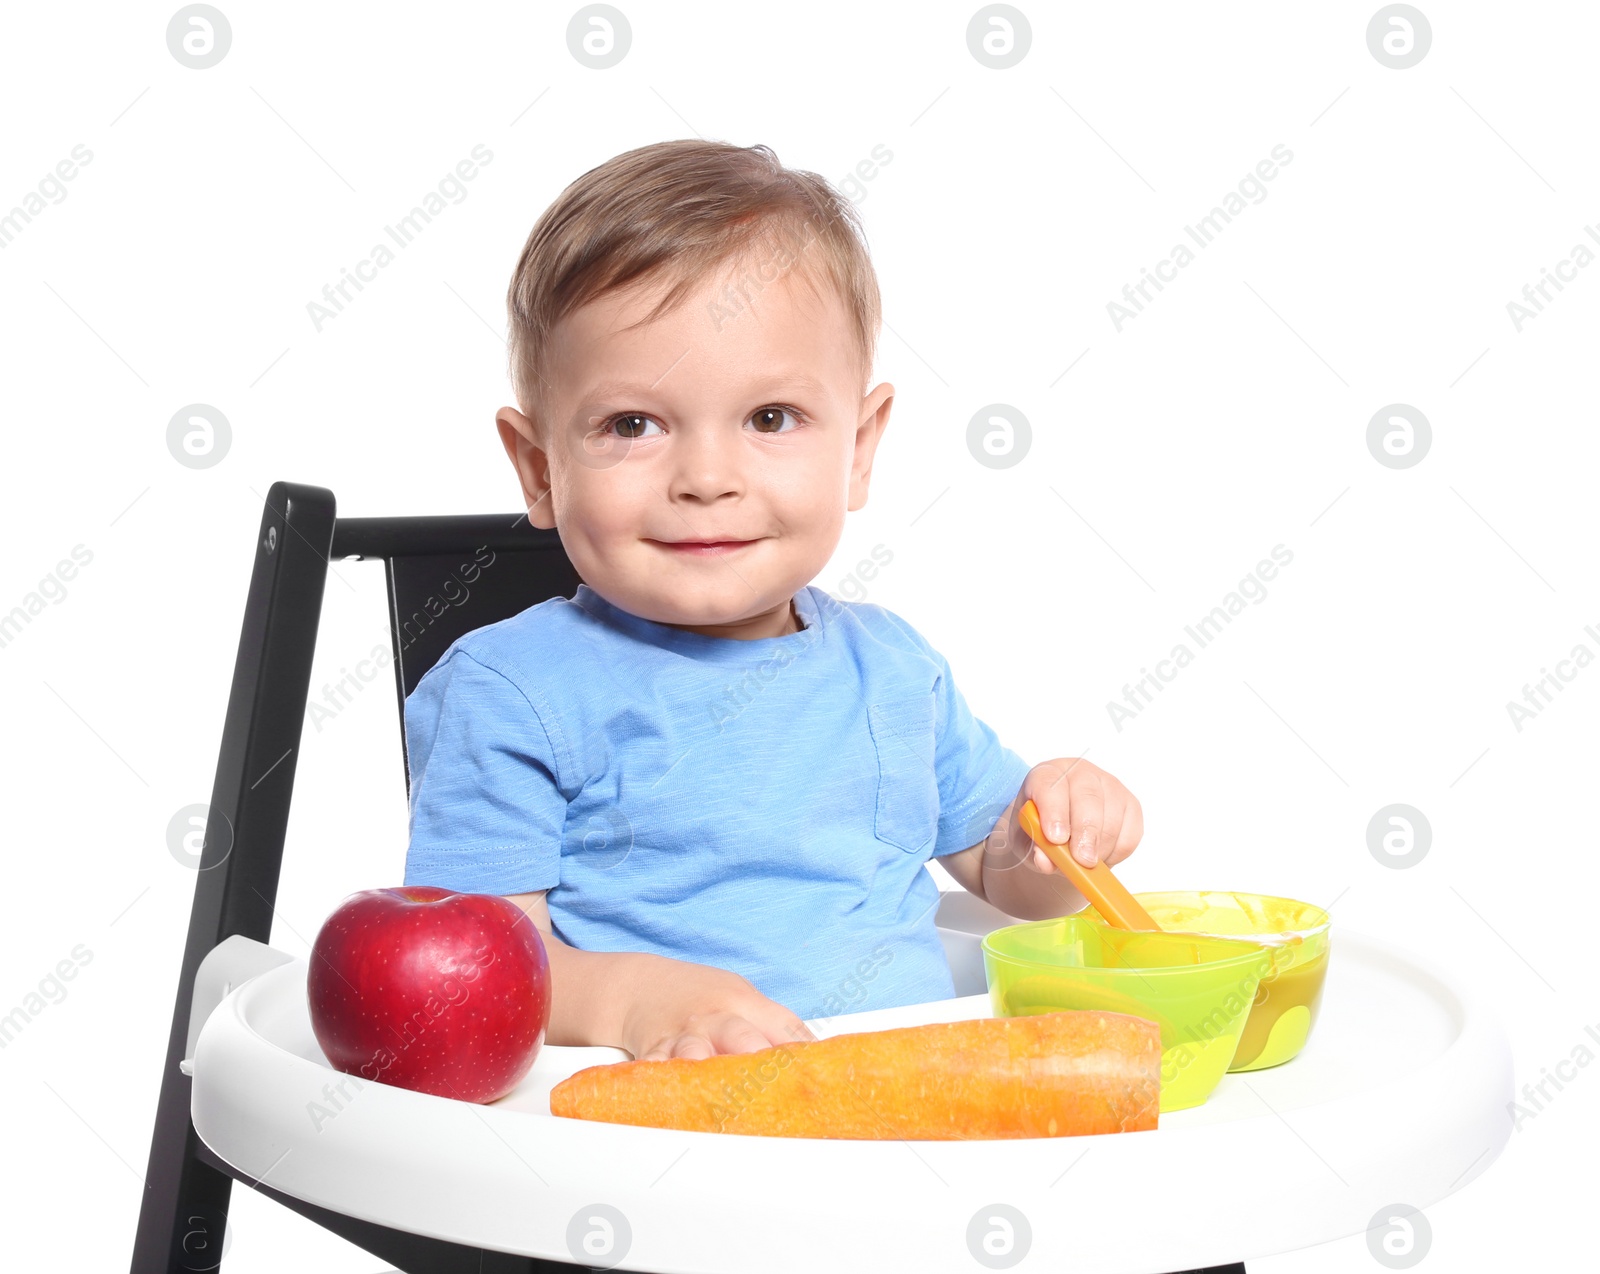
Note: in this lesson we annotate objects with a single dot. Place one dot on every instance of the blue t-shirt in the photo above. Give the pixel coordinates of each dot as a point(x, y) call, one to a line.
point(765, 806)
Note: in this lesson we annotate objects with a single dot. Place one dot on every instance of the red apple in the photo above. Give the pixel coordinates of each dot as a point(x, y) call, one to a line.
point(425, 988)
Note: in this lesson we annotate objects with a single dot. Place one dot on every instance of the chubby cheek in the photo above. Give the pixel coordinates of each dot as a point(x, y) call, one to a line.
point(598, 512)
point(817, 527)
point(808, 501)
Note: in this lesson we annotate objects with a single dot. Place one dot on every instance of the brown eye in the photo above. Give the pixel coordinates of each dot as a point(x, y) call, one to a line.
point(632, 425)
point(770, 420)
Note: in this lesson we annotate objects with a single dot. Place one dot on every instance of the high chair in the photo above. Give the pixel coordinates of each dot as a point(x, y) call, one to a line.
point(1398, 1100)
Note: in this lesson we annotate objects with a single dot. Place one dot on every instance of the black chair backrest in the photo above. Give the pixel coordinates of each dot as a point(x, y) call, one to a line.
point(449, 575)
point(446, 576)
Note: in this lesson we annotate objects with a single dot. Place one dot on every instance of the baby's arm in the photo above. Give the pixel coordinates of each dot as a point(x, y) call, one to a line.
point(653, 1006)
point(1077, 801)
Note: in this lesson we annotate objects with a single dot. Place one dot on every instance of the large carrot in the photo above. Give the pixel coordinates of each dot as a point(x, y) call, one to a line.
point(1046, 1075)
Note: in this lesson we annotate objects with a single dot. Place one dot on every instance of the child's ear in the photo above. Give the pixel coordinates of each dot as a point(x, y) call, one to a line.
point(532, 463)
point(874, 420)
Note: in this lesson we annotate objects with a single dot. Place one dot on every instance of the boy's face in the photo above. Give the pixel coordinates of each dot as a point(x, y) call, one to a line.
point(699, 467)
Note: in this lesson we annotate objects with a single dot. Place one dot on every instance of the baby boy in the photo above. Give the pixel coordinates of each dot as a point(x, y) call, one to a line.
point(712, 786)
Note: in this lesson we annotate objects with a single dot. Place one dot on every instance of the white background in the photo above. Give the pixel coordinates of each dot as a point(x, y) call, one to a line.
point(1229, 417)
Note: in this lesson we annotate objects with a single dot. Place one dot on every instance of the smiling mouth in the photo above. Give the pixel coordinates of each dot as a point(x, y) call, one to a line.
point(702, 548)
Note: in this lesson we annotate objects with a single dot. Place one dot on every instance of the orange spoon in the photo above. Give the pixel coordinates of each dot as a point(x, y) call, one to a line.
point(1107, 894)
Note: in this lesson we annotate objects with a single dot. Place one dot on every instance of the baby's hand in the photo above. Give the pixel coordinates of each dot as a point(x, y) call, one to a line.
point(681, 1009)
point(1081, 803)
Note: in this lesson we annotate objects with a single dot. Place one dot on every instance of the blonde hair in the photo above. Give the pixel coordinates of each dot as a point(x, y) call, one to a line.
point(675, 211)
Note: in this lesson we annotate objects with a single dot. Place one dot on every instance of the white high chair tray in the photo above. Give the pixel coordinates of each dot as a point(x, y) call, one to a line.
point(1399, 1098)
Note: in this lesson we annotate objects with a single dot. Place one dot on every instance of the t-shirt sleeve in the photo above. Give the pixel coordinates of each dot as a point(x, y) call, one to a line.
point(978, 775)
point(487, 809)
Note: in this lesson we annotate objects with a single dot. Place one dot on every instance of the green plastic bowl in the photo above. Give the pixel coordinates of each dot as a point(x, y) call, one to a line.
point(1197, 989)
point(1291, 993)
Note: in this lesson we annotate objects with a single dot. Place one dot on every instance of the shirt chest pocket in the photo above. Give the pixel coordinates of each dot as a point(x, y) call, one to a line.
point(908, 784)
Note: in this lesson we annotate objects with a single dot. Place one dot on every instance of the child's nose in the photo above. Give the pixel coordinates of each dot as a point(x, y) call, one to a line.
point(707, 466)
